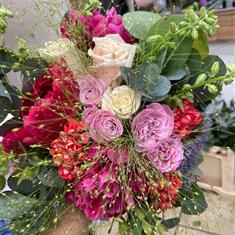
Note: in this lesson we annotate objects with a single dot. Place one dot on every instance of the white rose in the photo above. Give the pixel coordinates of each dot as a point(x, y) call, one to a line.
point(63, 48)
point(122, 101)
point(109, 54)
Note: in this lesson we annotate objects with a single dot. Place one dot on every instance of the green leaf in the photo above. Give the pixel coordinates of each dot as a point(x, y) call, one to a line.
point(138, 23)
point(201, 45)
point(7, 59)
point(5, 107)
point(2, 182)
point(177, 57)
point(193, 201)
point(49, 177)
point(194, 63)
point(178, 75)
point(162, 26)
point(148, 229)
point(123, 228)
point(147, 81)
point(25, 187)
point(161, 229)
point(171, 223)
point(140, 213)
point(13, 205)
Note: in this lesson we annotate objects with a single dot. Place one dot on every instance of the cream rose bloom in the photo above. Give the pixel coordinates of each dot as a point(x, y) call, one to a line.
point(109, 54)
point(122, 100)
point(63, 48)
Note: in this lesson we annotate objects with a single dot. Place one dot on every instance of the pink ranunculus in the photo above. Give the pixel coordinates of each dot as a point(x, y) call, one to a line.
point(98, 25)
point(103, 125)
point(167, 154)
point(91, 90)
point(154, 123)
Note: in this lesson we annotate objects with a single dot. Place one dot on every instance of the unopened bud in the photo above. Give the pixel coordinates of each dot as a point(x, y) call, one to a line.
point(215, 68)
point(201, 78)
point(212, 89)
point(203, 11)
point(5, 12)
point(192, 15)
point(194, 34)
point(153, 39)
point(173, 26)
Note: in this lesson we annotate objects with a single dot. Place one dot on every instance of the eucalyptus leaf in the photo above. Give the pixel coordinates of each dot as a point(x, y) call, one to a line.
point(49, 177)
point(177, 57)
point(193, 201)
point(13, 205)
point(178, 75)
point(123, 228)
point(171, 223)
point(147, 81)
point(138, 23)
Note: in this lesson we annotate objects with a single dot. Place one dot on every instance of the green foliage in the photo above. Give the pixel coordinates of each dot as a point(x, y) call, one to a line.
point(146, 80)
point(14, 205)
point(223, 119)
point(193, 201)
point(138, 23)
point(201, 45)
point(171, 223)
point(49, 177)
point(4, 13)
point(2, 182)
point(178, 56)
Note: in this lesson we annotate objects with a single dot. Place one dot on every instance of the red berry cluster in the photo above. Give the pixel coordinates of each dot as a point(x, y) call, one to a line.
point(69, 149)
point(166, 191)
point(186, 120)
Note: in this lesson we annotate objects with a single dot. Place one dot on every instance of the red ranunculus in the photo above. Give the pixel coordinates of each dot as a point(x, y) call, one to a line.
point(187, 120)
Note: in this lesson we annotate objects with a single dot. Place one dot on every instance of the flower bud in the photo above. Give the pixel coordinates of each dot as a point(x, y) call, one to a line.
point(194, 34)
point(153, 39)
point(192, 15)
point(5, 12)
point(212, 89)
point(215, 68)
point(203, 11)
point(173, 26)
point(201, 78)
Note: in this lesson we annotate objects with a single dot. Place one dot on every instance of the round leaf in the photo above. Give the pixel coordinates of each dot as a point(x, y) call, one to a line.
point(138, 23)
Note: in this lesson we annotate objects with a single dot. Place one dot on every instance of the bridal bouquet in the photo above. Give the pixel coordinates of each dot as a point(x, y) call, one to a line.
point(109, 119)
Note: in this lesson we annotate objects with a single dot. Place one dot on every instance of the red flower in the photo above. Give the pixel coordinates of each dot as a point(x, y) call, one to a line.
point(166, 191)
point(65, 173)
point(47, 117)
point(69, 149)
point(40, 88)
point(187, 120)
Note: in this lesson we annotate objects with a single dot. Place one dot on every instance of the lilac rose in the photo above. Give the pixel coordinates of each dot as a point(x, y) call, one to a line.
point(167, 155)
point(91, 89)
point(153, 124)
point(103, 125)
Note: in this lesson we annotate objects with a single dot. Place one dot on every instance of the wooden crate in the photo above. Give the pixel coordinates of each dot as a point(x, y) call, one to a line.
point(226, 31)
point(218, 169)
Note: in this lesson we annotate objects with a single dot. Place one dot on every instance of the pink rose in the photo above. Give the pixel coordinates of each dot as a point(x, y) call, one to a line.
point(167, 154)
point(103, 125)
point(154, 123)
point(91, 90)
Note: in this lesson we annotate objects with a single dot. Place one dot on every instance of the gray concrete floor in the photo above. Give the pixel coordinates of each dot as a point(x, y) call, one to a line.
point(218, 219)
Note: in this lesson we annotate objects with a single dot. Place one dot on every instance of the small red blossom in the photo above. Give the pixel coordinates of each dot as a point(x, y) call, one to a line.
point(186, 120)
point(69, 149)
point(166, 191)
point(65, 173)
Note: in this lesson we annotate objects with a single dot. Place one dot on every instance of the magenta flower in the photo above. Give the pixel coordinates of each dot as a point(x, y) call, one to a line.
point(98, 25)
point(91, 90)
point(103, 125)
point(154, 123)
point(167, 154)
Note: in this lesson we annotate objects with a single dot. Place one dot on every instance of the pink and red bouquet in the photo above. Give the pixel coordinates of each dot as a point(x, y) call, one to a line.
point(109, 127)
